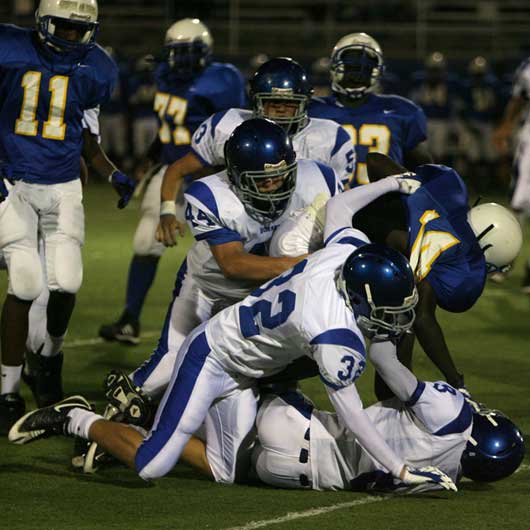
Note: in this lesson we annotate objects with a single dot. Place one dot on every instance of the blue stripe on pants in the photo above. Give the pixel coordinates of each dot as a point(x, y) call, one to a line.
point(141, 375)
point(176, 403)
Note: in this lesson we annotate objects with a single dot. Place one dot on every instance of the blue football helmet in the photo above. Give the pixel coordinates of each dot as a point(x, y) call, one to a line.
point(188, 47)
point(261, 165)
point(356, 65)
point(80, 16)
point(281, 80)
point(378, 283)
point(495, 450)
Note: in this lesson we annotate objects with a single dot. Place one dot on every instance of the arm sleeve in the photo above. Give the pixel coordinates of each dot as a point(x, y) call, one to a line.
point(348, 405)
point(341, 208)
point(208, 141)
point(398, 377)
point(90, 121)
point(342, 158)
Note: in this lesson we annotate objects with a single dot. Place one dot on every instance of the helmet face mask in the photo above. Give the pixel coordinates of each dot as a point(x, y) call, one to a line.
point(266, 206)
point(378, 284)
point(56, 20)
point(283, 82)
point(356, 65)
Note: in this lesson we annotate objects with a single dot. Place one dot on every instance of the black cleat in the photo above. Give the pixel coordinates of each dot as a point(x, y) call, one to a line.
point(126, 330)
point(12, 407)
point(43, 376)
point(46, 422)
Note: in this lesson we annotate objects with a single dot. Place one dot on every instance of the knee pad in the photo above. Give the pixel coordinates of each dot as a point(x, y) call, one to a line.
point(25, 274)
point(64, 266)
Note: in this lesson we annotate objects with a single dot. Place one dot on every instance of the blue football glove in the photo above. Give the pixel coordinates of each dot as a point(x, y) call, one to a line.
point(427, 475)
point(124, 185)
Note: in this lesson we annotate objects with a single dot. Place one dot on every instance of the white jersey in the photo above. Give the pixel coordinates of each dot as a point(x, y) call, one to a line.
point(432, 429)
point(215, 216)
point(298, 313)
point(521, 83)
point(321, 140)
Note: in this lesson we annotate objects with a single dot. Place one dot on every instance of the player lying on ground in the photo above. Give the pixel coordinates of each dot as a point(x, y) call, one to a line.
point(53, 75)
point(233, 215)
point(322, 308)
point(427, 424)
point(450, 247)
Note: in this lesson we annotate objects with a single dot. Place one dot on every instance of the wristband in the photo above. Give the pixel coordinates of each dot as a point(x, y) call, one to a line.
point(168, 208)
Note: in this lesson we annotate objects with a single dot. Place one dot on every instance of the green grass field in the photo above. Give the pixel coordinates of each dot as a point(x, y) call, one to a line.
point(38, 489)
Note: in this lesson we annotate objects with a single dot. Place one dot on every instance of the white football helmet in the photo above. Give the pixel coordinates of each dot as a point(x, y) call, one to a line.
point(360, 70)
point(81, 14)
point(188, 45)
point(498, 233)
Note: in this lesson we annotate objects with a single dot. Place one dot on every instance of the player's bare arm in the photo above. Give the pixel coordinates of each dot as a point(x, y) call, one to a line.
point(235, 263)
point(171, 184)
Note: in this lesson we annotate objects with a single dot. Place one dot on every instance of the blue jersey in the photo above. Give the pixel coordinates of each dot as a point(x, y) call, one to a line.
point(42, 99)
point(483, 99)
point(442, 246)
point(183, 105)
point(438, 100)
point(386, 124)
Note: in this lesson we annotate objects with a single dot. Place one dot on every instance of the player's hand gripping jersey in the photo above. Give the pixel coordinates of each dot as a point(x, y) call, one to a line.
point(320, 140)
point(43, 96)
point(215, 216)
point(390, 125)
point(182, 106)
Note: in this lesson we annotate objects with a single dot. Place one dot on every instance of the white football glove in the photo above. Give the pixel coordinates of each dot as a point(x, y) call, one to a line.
point(407, 183)
point(427, 475)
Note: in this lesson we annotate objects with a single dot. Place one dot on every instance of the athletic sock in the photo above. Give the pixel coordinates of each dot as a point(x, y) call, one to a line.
point(142, 272)
point(52, 345)
point(80, 422)
point(10, 378)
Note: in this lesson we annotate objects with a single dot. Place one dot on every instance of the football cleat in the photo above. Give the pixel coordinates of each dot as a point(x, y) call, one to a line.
point(43, 376)
point(12, 407)
point(127, 399)
point(125, 330)
point(46, 422)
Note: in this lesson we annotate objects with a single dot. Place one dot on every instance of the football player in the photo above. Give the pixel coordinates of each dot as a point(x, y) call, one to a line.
point(367, 290)
point(383, 123)
point(232, 215)
point(513, 113)
point(279, 91)
point(427, 424)
point(450, 248)
point(53, 77)
point(190, 87)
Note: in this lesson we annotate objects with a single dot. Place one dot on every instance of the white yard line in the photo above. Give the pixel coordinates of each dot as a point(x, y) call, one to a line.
point(79, 343)
point(307, 513)
point(523, 467)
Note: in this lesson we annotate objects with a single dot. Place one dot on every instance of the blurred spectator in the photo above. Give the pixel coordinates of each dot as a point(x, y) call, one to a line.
point(482, 102)
point(141, 95)
point(436, 90)
point(114, 117)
